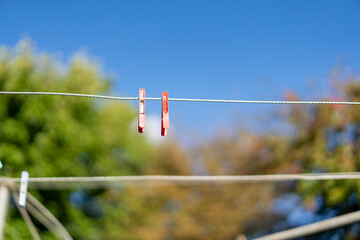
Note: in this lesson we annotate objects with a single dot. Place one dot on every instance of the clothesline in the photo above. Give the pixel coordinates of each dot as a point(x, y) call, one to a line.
point(71, 182)
point(177, 99)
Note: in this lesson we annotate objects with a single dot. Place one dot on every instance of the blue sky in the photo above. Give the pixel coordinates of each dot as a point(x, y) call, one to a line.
point(199, 49)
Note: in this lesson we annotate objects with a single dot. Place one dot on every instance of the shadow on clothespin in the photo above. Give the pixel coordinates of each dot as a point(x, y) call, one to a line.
point(23, 188)
point(141, 119)
point(165, 114)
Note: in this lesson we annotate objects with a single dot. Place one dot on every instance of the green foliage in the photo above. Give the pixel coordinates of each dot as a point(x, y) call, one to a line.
point(63, 136)
point(58, 136)
point(327, 140)
point(324, 139)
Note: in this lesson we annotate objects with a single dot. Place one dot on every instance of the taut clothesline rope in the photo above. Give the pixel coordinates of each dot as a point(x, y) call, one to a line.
point(176, 99)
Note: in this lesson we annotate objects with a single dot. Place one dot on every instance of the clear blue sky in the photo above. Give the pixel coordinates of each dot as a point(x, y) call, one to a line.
point(199, 49)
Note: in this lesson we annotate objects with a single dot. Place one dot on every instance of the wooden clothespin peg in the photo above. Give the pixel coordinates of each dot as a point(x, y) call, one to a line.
point(165, 114)
point(23, 188)
point(141, 119)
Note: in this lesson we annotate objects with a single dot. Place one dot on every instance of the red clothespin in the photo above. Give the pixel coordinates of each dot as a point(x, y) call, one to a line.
point(141, 121)
point(165, 114)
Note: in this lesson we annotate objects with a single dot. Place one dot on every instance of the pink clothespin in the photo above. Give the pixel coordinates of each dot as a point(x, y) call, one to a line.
point(141, 121)
point(165, 114)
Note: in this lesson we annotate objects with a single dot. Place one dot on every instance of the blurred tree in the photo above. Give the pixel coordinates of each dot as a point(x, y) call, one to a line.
point(56, 136)
point(65, 136)
point(202, 211)
point(324, 138)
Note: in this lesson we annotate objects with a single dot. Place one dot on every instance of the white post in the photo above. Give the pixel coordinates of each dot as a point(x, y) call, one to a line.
point(4, 197)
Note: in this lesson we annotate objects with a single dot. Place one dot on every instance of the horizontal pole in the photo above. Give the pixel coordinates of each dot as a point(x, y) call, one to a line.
point(315, 228)
point(98, 181)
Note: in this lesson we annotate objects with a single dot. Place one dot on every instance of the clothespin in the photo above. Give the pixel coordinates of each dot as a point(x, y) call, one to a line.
point(141, 119)
point(165, 114)
point(23, 188)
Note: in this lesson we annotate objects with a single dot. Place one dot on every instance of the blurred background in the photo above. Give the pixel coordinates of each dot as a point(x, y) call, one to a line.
point(250, 50)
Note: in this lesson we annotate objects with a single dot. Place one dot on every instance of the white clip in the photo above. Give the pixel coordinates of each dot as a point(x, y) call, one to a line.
point(23, 188)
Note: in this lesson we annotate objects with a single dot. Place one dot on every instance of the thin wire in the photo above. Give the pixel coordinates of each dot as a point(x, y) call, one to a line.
point(33, 207)
point(262, 102)
point(44, 221)
point(69, 95)
point(26, 217)
point(33, 201)
point(176, 99)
